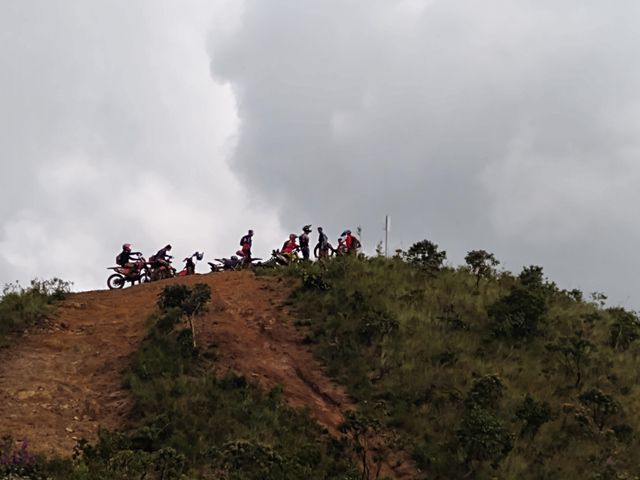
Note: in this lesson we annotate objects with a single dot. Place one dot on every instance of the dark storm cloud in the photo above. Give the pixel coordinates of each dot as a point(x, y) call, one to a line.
point(509, 126)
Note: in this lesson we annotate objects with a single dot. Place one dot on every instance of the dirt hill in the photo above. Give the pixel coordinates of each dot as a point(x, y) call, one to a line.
point(62, 382)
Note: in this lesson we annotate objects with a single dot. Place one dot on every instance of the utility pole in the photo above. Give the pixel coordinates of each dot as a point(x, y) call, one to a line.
point(387, 226)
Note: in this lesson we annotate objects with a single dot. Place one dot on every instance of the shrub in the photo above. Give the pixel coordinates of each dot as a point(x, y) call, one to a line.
point(426, 256)
point(483, 438)
point(625, 329)
point(486, 392)
point(24, 306)
point(481, 263)
point(575, 352)
point(518, 315)
point(534, 414)
point(601, 406)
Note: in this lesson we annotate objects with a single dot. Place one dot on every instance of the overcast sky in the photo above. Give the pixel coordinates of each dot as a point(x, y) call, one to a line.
point(508, 126)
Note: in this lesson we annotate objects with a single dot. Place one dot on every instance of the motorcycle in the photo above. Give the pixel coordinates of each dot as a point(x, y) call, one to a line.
point(281, 259)
point(138, 273)
point(233, 263)
point(190, 265)
point(159, 270)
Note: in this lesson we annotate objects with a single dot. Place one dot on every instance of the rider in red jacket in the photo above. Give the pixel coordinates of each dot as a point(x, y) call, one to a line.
point(290, 245)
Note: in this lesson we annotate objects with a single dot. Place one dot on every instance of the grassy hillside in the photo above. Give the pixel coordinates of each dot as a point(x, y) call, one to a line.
point(187, 423)
point(481, 374)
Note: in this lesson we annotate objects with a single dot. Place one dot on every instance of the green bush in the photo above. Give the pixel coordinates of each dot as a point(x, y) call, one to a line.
point(24, 306)
point(625, 329)
point(518, 315)
point(483, 438)
point(426, 256)
point(534, 414)
point(486, 392)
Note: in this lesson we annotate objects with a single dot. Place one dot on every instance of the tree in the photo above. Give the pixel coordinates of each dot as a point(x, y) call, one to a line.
point(486, 392)
point(483, 438)
point(426, 256)
point(534, 414)
point(601, 406)
point(366, 434)
point(481, 263)
point(625, 330)
point(191, 302)
point(575, 351)
point(518, 314)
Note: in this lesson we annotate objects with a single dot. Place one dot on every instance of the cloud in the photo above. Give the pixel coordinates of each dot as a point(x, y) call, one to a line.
point(112, 131)
point(509, 126)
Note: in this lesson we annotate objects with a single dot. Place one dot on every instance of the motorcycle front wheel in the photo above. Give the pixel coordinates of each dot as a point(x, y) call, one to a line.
point(115, 281)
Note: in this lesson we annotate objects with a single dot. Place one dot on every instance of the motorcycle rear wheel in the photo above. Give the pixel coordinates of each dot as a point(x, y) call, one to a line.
point(115, 281)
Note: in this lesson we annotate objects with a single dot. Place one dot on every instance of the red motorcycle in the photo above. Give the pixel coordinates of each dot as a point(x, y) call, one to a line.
point(138, 273)
point(190, 265)
point(161, 269)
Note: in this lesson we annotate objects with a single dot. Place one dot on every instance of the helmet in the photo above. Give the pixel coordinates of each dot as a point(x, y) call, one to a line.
point(168, 247)
point(250, 232)
point(306, 228)
point(199, 255)
point(319, 229)
point(126, 246)
point(292, 236)
point(346, 232)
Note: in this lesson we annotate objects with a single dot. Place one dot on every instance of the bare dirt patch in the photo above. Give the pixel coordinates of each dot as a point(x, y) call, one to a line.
point(63, 381)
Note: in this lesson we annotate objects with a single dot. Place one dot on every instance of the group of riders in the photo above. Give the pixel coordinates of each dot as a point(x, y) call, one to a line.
point(347, 244)
point(133, 267)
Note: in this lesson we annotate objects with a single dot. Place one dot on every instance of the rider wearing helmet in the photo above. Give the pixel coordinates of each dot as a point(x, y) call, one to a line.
point(124, 258)
point(290, 246)
point(304, 241)
point(245, 243)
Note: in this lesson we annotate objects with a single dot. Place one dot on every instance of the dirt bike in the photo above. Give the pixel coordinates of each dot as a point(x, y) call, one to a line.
point(190, 265)
point(161, 270)
point(233, 263)
point(138, 273)
point(281, 259)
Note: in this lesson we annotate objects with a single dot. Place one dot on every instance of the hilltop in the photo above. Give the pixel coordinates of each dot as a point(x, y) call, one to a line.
point(333, 371)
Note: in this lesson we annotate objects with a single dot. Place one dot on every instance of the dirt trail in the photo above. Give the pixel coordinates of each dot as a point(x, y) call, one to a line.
point(63, 382)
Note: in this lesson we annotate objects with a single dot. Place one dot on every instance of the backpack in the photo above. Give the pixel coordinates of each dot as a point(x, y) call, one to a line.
point(119, 259)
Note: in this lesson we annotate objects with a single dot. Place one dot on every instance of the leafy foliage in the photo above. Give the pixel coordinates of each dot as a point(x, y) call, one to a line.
point(426, 256)
point(486, 392)
point(625, 329)
point(483, 438)
point(24, 306)
point(601, 405)
point(518, 314)
point(575, 353)
point(470, 382)
point(534, 414)
point(481, 263)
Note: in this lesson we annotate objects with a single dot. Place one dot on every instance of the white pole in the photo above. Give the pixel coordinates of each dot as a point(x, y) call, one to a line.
point(387, 225)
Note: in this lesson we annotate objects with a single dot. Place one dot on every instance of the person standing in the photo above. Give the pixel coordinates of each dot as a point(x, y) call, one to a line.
point(245, 243)
point(304, 242)
point(322, 247)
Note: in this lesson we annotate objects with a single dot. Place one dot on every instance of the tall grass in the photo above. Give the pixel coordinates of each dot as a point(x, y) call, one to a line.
point(411, 346)
point(23, 306)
